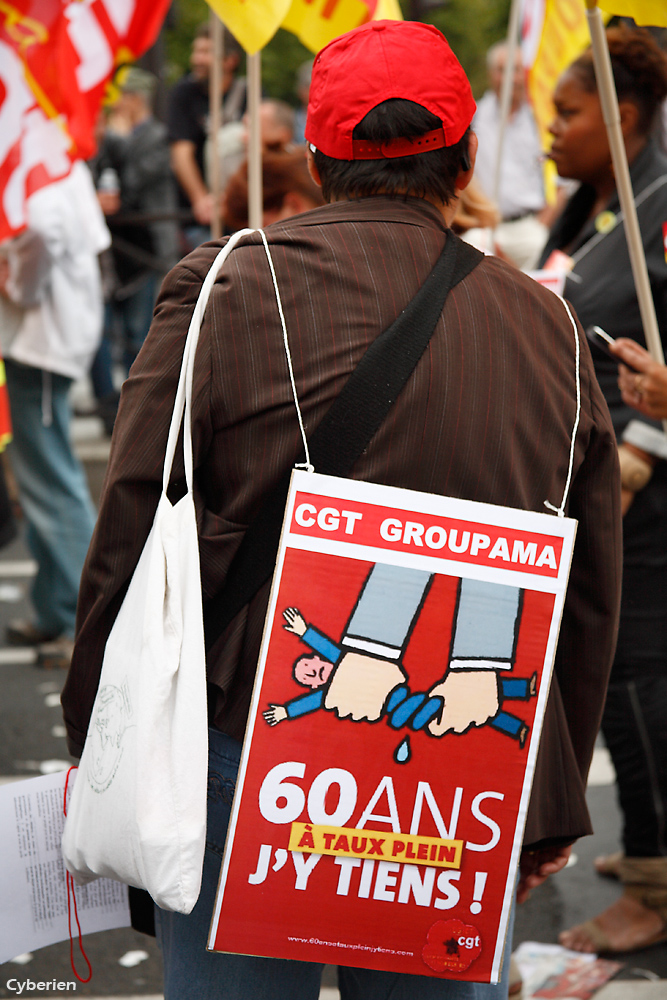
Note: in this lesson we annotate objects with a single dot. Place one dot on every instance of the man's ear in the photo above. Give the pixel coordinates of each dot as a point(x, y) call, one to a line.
point(312, 168)
point(465, 175)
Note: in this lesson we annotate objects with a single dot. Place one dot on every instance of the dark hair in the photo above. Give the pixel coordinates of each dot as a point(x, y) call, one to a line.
point(423, 175)
point(282, 173)
point(229, 44)
point(640, 72)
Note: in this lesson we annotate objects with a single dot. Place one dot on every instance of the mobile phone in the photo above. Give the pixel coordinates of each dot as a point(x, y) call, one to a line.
point(601, 339)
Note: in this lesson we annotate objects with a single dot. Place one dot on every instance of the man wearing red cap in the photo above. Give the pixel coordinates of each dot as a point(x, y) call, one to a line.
point(501, 408)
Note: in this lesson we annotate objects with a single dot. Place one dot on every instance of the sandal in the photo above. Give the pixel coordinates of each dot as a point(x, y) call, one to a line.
point(630, 927)
point(609, 864)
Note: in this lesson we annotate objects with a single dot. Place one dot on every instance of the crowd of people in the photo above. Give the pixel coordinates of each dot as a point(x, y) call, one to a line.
point(75, 300)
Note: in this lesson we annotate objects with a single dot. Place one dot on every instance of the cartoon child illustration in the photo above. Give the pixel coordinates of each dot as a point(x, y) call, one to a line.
point(310, 671)
point(483, 646)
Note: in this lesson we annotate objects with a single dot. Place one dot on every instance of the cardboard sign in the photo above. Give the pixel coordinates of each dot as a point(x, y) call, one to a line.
point(393, 731)
point(554, 280)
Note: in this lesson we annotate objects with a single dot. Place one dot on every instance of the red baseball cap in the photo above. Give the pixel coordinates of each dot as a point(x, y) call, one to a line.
point(376, 62)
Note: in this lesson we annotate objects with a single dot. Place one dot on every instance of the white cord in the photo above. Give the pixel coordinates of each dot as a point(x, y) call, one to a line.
point(299, 465)
point(577, 353)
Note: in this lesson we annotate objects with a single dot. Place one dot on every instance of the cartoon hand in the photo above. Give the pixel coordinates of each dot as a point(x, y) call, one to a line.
point(294, 621)
point(360, 685)
point(470, 697)
point(275, 714)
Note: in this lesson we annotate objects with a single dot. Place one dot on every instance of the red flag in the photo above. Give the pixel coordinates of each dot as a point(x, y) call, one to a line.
point(56, 57)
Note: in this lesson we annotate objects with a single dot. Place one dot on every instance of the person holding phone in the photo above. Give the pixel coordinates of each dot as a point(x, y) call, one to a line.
point(642, 381)
point(601, 288)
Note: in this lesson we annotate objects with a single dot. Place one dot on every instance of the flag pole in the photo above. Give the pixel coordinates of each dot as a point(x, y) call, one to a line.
point(255, 195)
point(506, 91)
point(612, 120)
point(214, 103)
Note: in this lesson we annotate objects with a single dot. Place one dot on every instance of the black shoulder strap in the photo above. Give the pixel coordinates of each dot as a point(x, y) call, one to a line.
point(346, 429)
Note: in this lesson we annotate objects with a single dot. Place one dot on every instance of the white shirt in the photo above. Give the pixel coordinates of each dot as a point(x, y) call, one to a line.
point(53, 320)
point(521, 179)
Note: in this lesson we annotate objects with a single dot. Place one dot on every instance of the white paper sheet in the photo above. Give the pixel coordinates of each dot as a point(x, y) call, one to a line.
point(33, 891)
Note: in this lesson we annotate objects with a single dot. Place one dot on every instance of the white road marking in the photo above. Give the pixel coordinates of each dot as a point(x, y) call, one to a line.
point(602, 770)
point(132, 958)
point(93, 451)
point(53, 766)
point(18, 655)
point(18, 567)
point(42, 766)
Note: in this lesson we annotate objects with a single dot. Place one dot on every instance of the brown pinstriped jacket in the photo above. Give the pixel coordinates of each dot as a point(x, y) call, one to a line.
point(487, 415)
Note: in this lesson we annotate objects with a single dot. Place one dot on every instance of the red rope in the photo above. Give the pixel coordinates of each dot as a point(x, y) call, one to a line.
point(71, 897)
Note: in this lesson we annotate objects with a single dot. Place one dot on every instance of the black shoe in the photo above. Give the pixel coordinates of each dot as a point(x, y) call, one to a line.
point(24, 633)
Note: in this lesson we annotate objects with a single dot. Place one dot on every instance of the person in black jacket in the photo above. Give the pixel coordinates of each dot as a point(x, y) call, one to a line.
point(138, 196)
point(601, 288)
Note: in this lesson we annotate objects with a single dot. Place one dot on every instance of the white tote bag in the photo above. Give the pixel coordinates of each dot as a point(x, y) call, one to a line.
point(137, 812)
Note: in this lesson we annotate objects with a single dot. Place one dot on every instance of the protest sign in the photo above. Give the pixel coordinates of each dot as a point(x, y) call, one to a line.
point(393, 732)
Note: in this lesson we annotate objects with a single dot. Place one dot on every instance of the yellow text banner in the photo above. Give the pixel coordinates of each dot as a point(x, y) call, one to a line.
point(344, 842)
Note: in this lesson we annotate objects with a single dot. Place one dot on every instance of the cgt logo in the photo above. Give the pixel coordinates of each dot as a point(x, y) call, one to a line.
point(451, 946)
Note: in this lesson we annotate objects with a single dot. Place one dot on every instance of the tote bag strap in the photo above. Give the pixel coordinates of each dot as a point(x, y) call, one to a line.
point(183, 402)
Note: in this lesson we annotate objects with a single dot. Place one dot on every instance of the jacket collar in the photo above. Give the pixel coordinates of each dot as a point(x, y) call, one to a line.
point(379, 208)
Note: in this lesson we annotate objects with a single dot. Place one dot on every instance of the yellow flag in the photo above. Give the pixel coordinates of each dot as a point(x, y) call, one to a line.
point(555, 33)
point(316, 22)
point(652, 12)
point(563, 37)
point(252, 22)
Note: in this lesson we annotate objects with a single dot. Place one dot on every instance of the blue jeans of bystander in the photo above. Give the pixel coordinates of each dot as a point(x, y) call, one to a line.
point(192, 973)
point(53, 492)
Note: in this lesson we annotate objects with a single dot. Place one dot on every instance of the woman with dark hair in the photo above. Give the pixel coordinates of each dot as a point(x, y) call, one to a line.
point(601, 288)
point(287, 190)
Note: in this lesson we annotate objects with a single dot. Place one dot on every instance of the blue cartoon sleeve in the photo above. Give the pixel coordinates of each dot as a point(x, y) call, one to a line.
point(321, 644)
point(304, 704)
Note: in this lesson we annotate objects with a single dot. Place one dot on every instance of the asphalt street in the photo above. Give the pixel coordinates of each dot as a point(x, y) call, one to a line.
point(125, 963)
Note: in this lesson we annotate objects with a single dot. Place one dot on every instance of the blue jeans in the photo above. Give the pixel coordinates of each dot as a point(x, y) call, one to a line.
point(127, 320)
point(192, 973)
point(53, 491)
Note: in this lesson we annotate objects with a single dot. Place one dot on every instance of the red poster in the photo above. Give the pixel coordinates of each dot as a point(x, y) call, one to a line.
point(392, 738)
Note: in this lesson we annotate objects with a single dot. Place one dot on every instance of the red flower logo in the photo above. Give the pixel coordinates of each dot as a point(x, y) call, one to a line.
point(451, 946)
